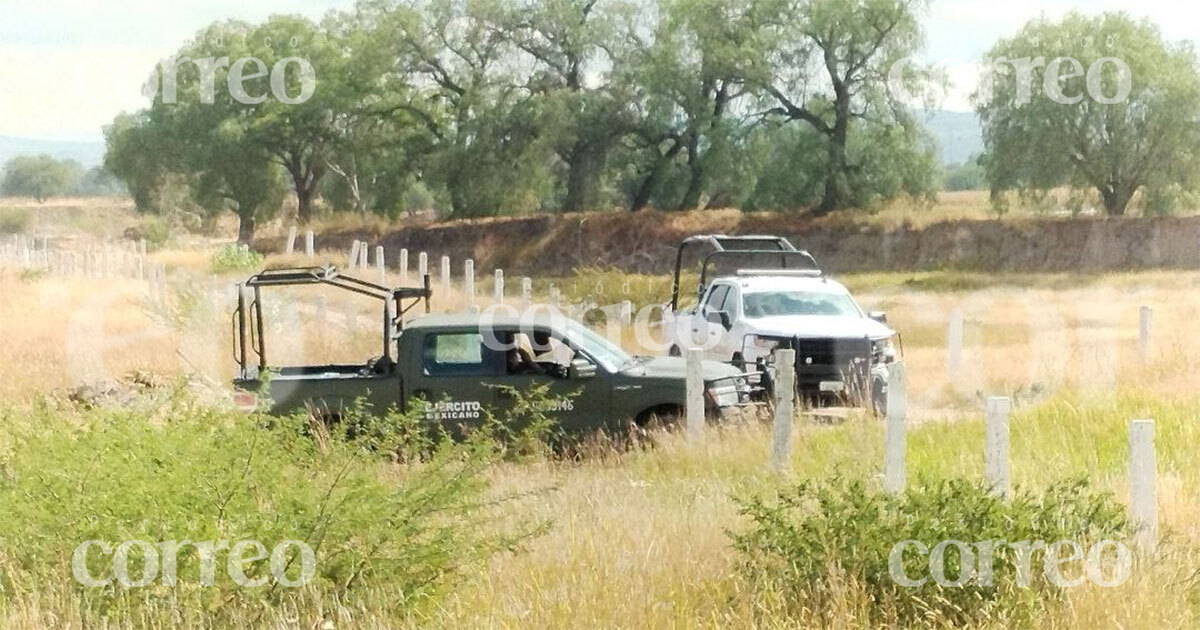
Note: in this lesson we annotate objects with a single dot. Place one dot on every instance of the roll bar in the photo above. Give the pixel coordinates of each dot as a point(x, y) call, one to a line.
point(725, 246)
point(393, 299)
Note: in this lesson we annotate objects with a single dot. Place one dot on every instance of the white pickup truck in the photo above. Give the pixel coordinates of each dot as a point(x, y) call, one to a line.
point(782, 299)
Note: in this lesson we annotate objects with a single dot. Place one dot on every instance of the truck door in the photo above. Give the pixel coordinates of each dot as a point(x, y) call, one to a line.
point(542, 357)
point(706, 327)
point(453, 369)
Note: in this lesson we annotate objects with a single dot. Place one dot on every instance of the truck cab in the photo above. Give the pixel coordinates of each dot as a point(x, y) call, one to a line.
point(774, 296)
point(460, 365)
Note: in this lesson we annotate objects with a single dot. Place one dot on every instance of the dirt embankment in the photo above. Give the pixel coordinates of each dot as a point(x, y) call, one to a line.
point(644, 242)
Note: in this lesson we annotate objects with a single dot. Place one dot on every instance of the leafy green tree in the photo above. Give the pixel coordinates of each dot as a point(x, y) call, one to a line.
point(134, 155)
point(968, 175)
point(37, 176)
point(690, 78)
point(377, 137)
point(1092, 102)
point(99, 182)
point(295, 127)
point(569, 45)
point(489, 150)
point(838, 64)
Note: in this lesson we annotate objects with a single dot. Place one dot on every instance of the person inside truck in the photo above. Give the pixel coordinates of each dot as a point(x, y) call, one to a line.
point(552, 355)
point(520, 357)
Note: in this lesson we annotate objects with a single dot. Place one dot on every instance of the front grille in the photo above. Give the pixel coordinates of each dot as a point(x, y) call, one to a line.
point(830, 359)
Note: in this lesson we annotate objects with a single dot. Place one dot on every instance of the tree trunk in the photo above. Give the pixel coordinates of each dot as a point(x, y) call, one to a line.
point(246, 227)
point(641, 198)
point(696, 177)
point(833, 197)
point(303, 205)
point(581, 179)
point(1116, 199)
point(304, 183)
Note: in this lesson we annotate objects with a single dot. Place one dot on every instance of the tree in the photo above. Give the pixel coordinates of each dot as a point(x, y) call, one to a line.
point(40, 177)
point(377, 139)
point(832, 64)
point(689, 80)
point(1116, 110)
point(570, 45)
point(489, 147)
point(968, 175)
point(134, 155)
point(296, 132)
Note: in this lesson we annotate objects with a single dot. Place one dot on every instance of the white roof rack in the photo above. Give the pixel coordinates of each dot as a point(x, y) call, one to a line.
point(795, 273)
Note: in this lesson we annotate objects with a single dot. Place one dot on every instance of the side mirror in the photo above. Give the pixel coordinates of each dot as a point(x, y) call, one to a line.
point(878, 316)
point(719, 317)
point(581, 368)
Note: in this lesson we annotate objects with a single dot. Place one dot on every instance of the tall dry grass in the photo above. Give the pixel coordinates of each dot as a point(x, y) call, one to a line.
point(639, 539)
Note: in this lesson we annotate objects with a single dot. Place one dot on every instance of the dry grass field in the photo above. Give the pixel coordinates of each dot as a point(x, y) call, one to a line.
point(640, 539)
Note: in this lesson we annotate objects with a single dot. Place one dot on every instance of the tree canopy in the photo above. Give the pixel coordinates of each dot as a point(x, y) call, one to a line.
point(1100, 103)
point(483, 107)
point(38, 176)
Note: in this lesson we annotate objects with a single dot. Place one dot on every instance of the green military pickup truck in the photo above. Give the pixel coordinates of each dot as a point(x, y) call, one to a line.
point(460, 365)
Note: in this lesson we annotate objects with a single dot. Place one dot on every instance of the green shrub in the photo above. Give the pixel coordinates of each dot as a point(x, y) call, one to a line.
point(14, 220)
point(236, 258)
point(821, 543)
point(389, 537)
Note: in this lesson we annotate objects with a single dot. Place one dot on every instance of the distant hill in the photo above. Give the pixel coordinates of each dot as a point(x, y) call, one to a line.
point(958, 134)
point(88, 154)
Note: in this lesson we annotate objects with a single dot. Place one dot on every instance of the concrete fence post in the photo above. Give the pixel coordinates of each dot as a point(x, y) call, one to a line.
point(362, 257)
point(1145, 329)
point(309, 244)
point(1143, 475)
point(695, 394)
point(498, 287)
point(291, 240)
point(785, 410)
point(996, 459)
point(404, 266)
point(895, 446)
point(381, 263)
point(445, 274)
point(353, 260)
point(526, 293)
point(469, 281)
point(422, 266)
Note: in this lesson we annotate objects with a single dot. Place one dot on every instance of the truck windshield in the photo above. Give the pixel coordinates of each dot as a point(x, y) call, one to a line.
point(603, 350)
point(773, 303)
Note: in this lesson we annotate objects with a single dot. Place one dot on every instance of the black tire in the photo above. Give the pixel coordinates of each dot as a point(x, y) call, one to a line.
point(660, 416)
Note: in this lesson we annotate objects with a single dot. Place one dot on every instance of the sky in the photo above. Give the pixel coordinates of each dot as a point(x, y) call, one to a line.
point(67, 67)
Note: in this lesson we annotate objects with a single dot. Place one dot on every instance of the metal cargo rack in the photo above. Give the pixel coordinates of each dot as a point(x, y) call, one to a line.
point(248, 317)
point(773, 249)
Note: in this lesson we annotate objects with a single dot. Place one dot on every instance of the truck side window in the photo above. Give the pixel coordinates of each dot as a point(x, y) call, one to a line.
point(716, 298)
point(729, 304)
point(457, 354)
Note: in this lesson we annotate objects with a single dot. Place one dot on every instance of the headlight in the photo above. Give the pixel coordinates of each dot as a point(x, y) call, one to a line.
point(723, 395)
point(765, 343)
point(883, 350)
